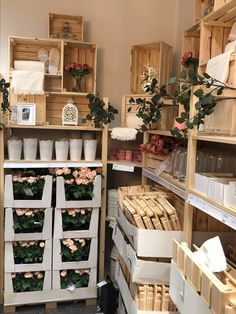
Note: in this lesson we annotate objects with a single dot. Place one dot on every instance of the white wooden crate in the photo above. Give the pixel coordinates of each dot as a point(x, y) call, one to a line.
point(59, 265)
point(10, 266)
point(78, 293)
point(149, 243)
point(90, 233)
point(8, 289)
point(127, 298)
point(61, 201)
point(141, 271)
point(9, 200)
point(10, 234)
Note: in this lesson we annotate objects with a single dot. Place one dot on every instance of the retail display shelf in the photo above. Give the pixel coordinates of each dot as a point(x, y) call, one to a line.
point(54, 127)
point(167, 181)
point(222, 14)
point(220, 212)
point(19, 164)
point(125, 163)
point(215, 138)
point(160, 132)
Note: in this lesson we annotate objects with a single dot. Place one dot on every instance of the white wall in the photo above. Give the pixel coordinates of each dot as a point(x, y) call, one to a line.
point(114, 25)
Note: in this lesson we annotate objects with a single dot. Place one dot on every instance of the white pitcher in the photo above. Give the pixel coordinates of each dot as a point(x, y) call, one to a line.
point(45, 149)
point(30, 146)
point(62, 150)
point(14, 149)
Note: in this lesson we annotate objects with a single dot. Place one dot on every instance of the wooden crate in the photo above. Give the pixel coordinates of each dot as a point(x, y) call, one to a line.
point(222, 123)
point(157, 55)
point(191, 39)
point(80, 53)
point(202, 7)
point(57, 22)
point(27, 48)
point(129, 118)
point(58, 264)
point(10, 266)
point(154, 161)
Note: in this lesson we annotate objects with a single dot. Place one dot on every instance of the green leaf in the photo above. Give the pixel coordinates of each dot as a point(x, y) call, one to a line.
point(184, 115)
point(198, 93)
point(198, 105)
point(183, 74)
point(207, 76)
point(180, 120)
point(220, 90)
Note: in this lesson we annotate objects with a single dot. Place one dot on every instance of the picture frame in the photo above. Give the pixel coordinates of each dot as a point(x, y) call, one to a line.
point(26, 113)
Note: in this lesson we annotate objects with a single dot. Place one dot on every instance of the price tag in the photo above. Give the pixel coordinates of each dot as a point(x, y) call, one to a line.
point(162, 167)
point(123, 168)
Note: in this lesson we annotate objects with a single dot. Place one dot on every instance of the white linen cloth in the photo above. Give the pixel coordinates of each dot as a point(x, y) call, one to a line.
point(124, 134)
point(232, 34)
point(21, 65)
point(231, 46)
point(28, 82)
point(218, 67)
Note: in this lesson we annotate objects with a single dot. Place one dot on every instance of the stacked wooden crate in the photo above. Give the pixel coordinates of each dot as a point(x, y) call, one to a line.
point(86, 241)
point(145, 248)
point(24, 237)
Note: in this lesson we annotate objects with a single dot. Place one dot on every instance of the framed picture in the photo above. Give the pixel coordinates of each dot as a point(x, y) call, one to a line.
point(26, 113)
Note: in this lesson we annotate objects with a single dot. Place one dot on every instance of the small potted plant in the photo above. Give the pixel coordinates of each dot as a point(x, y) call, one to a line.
point(78, 71)
point(78, 278)
point(28, 281)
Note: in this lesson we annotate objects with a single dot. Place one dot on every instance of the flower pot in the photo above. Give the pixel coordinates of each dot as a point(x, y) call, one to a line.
point(46, 149)
point(30, 146)
point(61, 149)
point(14, 149)
point(76, 146)
point(90, 148)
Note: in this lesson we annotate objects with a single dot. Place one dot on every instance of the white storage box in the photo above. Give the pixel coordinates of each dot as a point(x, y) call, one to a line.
point(149, 243)
point(59, 265)
point(127, 298)
point(90, 233)
point(230, 195)
point(61, 201)
point(142, 271)
point(79, 293)
point(10, 265)
point(9, 200)
point(219, 190)
point(29, 297)
point(186, 299)
point(10, 234)
point(201, 183)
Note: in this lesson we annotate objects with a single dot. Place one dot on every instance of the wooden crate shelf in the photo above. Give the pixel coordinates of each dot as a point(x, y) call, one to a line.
point(157, 55)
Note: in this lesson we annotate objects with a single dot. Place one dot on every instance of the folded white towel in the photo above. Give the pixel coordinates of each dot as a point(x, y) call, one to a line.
point(124, 134)
point(218, 67)
point(231, 46)
point(28, 82)
point(232, 34)
point(29, 66)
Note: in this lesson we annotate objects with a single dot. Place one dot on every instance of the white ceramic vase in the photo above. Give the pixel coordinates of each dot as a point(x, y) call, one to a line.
point(90, 148)
point(14, 149)
point(30, 146)
point(46, 149)
point(76, 146)
point(62, 150)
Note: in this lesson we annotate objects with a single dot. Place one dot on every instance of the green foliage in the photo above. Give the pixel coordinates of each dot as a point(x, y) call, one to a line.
point(73, 277)
point(77, 221)
point(5, 105)
point(99, 114)
point(204, 86)
point(23, 283)
point(28, 223)
point(72, 254)
point(28, 252)
point(28, 189)
point(150, 110)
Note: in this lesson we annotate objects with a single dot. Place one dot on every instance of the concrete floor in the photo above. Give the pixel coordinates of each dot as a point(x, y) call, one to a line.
point(65, 308)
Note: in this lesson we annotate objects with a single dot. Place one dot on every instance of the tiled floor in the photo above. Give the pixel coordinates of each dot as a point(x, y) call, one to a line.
point(63, 308)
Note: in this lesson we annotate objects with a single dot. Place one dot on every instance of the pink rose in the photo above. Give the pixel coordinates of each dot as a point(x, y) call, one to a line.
point(13, 275)
point(71, 212)
point(59, 172)
point(66, 170)
point(20, 212)
point(75, 173)
point(28, 275)
point(73, 248)
point(63, 273)
point(40, 276)
point(42, 244)
point(31, 180)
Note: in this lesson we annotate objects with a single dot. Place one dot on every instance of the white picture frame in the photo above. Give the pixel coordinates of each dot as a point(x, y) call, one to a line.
point(26, 114)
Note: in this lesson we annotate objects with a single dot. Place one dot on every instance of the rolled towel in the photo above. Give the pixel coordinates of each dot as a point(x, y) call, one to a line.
point(28, 82)
point(29, 66)
point(124, 134)
point(218, 67)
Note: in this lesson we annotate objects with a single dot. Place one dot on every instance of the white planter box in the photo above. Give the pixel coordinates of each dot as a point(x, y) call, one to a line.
point(10, 234)
point(43, 203)
point(10, 266)
point(92, 232)
point(186, 299)
point(121, 307)
point(31, 297)
point(59, 265)
point(127, 298)
point(149, 243)
point(145, 272)
point(61, 201)
point(78, 293)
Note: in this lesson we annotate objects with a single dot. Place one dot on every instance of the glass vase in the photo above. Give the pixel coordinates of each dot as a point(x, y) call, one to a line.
point(77, 87)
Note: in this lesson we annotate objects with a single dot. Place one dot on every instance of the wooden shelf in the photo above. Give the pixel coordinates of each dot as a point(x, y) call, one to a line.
point(222, 14)
point(54, 127)
point(167, 181)
point(160, 132)
point(222, 213)
point(216, 138)
point(19, 164)
point(125, 163)
point(63, 93)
